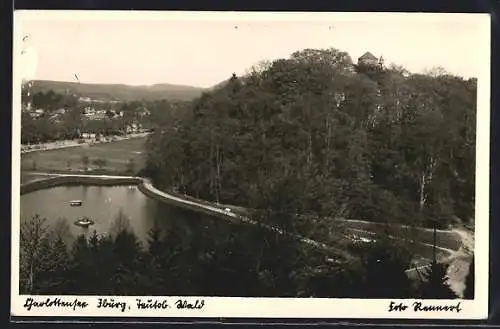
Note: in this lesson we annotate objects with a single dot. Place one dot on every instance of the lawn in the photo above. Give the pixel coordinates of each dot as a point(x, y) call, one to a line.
point(116, 154)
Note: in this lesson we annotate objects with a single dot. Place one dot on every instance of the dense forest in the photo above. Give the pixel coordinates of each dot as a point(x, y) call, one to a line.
point(212, 259)
point(316, 134)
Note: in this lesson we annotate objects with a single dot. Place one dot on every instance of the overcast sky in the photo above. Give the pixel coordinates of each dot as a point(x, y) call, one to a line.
point(149, 48)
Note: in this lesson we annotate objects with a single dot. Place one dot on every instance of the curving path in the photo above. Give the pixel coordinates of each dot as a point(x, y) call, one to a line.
point(457, 270)
point(147, 188)
point(446, 250)
point(74, 143)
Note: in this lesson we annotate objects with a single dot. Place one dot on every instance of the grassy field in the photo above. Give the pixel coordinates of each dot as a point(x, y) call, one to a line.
point(116, 154)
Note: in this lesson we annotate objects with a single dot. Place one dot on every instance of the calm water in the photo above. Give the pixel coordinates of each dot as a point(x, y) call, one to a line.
point(103, 204)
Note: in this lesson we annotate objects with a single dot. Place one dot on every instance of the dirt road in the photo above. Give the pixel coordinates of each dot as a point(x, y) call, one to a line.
point(74, 143)
point(460, 261)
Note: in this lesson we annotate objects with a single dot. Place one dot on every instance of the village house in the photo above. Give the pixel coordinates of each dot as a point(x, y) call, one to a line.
point(101, 101)
point(93, 114)
point(88, 135)
point(115, 114)
point(99, 115)
point(85, 99)
point(37, 113)
point(133, 128)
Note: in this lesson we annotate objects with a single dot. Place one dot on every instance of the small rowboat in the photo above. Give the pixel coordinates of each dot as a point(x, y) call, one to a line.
point(76, 203)
point(84, 222)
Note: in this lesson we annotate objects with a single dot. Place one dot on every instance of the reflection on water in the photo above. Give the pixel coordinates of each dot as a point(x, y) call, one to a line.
point(103, 205)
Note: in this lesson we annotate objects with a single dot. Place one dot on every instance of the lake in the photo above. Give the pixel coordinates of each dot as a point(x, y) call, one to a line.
point(103, 204)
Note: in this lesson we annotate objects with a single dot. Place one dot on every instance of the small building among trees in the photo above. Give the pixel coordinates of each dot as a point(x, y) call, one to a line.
point(368, 59)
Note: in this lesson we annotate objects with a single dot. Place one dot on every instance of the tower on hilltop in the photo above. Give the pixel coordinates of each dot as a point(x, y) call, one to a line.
point(368, 59)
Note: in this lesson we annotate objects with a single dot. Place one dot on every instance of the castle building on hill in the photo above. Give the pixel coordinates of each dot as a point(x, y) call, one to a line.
point(368, 59)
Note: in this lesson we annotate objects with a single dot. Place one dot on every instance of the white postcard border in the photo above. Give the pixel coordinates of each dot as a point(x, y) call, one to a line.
point(268, 307)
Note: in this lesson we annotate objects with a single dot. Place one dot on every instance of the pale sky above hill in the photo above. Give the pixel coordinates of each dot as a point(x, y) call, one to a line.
point(204, 49)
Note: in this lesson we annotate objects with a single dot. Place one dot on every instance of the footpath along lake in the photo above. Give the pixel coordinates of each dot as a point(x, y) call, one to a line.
point(103, 204)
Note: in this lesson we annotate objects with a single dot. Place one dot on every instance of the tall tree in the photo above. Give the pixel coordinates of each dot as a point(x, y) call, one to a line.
point(436, 284)
point(32, 234)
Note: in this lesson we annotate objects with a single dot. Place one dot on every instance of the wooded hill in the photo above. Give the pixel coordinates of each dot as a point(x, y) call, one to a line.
point(314, 133)
point(118, 91)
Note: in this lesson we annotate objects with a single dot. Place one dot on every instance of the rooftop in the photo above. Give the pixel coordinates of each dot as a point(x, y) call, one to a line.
point(368, 55)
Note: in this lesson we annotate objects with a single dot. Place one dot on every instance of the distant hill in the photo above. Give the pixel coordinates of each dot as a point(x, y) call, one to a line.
point(119, 92)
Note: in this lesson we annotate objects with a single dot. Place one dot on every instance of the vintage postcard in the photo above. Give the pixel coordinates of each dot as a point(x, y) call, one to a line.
point(250, 165)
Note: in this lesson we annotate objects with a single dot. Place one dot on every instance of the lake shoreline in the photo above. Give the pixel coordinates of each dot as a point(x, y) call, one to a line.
point(175, 199)
point(45, 183)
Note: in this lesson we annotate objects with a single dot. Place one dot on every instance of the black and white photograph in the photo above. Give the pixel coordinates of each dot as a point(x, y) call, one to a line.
point(237, 164)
